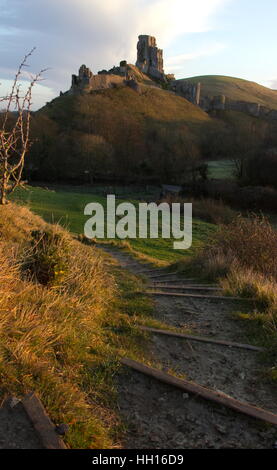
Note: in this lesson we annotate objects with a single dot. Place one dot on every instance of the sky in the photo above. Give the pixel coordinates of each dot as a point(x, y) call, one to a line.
point(199, 37)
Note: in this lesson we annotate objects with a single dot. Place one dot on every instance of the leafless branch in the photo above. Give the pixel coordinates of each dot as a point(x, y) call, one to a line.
point(15, 131)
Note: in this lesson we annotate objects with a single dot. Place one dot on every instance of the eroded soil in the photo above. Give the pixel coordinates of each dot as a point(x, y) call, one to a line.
point(161, 417)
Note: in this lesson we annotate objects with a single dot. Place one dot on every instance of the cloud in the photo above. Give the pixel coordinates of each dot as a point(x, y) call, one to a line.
point(98, 33)
point(176, 63)
point(272, 84)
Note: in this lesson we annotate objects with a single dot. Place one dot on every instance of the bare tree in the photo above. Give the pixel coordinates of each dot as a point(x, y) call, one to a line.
point(15, 131)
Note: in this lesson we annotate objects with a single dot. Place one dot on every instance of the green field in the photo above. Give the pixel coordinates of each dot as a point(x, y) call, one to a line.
point(221, 169)
point(65, 205)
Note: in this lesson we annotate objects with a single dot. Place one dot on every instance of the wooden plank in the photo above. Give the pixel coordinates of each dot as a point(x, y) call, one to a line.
point(187, 288)
point(148, 272)
point(202, 339)
point(184, 286)
point(42, 423)
point(197, 296)
point(164, 275)
point(203, 392)
point(171, 281)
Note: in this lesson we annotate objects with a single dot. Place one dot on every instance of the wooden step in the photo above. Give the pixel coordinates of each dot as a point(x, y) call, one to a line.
point(202, 339)
point(203, 392)
point(198, 288)
point(197, 296)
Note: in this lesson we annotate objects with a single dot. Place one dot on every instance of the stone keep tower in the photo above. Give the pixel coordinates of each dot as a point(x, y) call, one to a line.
point(150, 58)
point(83, 79)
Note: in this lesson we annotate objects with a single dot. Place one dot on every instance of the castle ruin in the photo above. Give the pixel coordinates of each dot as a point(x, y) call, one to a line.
point(86, 82)
point(190, 91)
point(150, 64)
point(149, 57)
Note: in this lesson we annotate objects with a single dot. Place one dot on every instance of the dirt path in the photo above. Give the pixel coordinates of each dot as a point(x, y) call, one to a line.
point(16, 431)
point(161, 417)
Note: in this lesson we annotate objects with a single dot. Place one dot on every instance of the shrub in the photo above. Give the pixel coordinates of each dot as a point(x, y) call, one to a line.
point(245, 243)
point(207, 209)
point(252, 241)
point(47, 260)
point(262, 170)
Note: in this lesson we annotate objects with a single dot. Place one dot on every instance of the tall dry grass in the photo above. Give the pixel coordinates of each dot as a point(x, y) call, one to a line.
point(207, 209)
point(252, 241)
point(246, 243)
point(51, 339)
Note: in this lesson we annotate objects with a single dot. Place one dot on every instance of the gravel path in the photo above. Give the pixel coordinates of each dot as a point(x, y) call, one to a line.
point(16, 431)
point(161, 417)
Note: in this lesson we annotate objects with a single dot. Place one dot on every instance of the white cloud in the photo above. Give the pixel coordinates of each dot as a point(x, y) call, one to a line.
point(272, 84)
point(96, 32)
point(177, 63)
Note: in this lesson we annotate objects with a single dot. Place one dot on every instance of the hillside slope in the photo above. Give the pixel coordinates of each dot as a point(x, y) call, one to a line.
point(236, 89)
point(117, 132)
point(152, 103)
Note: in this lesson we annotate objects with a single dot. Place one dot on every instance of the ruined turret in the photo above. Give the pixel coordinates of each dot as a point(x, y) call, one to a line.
point(149, 57)
point(83, 79)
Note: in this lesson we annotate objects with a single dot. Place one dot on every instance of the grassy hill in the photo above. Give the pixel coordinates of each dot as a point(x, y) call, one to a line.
point(117, 133)
point(236, 89)
point(155, 136)
point(153, 103)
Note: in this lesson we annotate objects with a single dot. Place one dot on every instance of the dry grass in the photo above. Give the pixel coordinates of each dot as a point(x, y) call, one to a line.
point(252, 241)
point(62, 342)
point(46, 336)
point(209, 210)
point(245, 243)
point(262, 320)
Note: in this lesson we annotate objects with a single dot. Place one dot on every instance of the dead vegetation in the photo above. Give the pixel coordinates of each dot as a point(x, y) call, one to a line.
point(207, 209)
point(15, 130)
point(58, 339)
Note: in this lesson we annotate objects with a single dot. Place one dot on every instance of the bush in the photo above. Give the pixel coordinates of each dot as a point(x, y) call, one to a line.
point(47, 260)
point(209, 210)
point(248, 283)
point(246, 243)
point(252, 241)
point(262, 170)
point(254, 198)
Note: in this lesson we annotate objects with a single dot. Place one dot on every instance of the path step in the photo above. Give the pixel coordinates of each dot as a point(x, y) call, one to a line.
point(203, 392)
point(202, 339)
point(164, 275)
point(171, 281)
point(201, 288)
point(196, 296)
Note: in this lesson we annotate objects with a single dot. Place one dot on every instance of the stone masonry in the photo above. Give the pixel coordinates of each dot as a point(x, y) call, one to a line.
point(190, 91)
point(150, 58)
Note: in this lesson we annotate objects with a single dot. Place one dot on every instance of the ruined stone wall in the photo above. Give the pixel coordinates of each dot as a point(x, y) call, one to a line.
point(86, 82)
point(149, 57)
point(190, 91)
point(222, 103)
point(98, 82)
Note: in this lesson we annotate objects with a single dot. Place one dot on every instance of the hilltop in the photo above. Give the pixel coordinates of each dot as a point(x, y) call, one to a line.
point(150, 133)
point(235, 89)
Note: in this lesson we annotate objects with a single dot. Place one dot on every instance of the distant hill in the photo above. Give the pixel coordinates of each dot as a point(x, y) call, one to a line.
point(236, 89)
point(148, 135)
point(118, 133)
